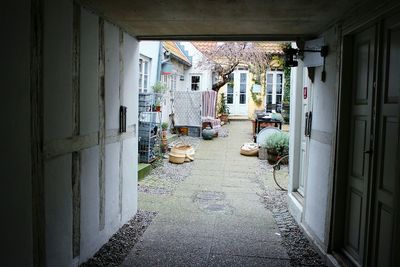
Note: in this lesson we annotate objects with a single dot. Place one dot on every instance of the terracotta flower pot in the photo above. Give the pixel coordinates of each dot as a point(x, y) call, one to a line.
point(224, 118)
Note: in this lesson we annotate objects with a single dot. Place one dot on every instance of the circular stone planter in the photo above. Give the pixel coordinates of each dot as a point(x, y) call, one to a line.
point(262, 153)
point(208, 133)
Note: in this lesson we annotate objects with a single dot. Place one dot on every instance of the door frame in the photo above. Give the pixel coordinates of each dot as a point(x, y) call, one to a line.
point(342, 144)
point(235, 108)
point(342, 141)
point(274, 74)
point(305, 140)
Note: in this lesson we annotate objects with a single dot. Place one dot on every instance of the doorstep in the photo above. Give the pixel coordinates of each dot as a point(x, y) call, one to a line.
point(143, 170)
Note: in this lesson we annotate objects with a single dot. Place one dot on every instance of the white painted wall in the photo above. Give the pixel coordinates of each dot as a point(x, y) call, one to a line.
point(206, 74)
point(15, 156)
point(296, 102)
point(89, 76)
point(151, 50)
point(315, 213)
point(130, 148)
point(120, 156)
point(57, 87)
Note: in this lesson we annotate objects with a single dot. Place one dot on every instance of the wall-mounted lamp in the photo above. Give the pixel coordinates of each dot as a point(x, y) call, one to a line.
point(291, 55)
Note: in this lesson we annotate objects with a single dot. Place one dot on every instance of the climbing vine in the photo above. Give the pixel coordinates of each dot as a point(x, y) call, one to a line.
point(286, 89)
point(258, 78)
point(257, 98)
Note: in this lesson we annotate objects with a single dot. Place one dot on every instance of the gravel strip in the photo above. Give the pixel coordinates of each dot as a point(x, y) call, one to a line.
point(298, 247)
point(165, 176)
point(121, 243)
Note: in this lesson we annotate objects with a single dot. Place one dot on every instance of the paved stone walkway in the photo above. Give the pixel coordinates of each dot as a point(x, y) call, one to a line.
point(215, 217)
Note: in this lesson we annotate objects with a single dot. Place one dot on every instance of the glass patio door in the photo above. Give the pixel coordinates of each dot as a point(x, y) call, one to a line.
point(236, 93)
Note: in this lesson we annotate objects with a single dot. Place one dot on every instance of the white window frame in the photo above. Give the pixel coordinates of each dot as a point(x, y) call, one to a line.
point(274, 86)
point(143, 76)
point(198, 83)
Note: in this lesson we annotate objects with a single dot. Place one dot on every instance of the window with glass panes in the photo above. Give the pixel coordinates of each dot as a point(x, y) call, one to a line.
point(229, 90)
point(274, 87)
point(144, 71)
point(173, 82)
point(195, 81)
point(242, 88)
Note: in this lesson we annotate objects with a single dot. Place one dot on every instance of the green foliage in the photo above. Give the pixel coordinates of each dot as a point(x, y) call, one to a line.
point(277, 116)
point(164, 126)
point(159, 88)
point(257, 100)
point(278, 142)
point(286, 89)
point(277, 62)
point(222, 107)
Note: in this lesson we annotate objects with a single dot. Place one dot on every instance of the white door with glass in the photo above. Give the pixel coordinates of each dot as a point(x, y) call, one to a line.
point(236, 93)
point(305, 135)
point(274, 86)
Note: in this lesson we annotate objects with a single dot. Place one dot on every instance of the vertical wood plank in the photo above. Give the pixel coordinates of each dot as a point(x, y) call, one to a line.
point(102, 125)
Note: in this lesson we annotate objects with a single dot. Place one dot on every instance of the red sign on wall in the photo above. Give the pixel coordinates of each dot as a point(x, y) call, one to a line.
point(305, 92)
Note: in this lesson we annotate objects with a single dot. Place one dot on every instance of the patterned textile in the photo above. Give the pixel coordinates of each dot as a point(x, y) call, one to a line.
point(187, 108)
point(208, 99)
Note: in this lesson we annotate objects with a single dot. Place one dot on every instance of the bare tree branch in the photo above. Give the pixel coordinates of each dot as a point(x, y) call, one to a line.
point(224, 57)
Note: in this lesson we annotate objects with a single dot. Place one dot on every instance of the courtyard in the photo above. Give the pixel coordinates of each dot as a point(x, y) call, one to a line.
point(222, 209)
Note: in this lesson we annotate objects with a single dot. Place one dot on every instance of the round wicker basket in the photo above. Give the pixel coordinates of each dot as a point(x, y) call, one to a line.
point(249, 149)
point(187, 151)
point(176, 158)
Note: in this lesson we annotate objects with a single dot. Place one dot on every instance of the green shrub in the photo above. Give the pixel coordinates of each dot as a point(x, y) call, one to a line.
point(164, 126)
point(159, 88)
point(277, 116)
point(222, 106)
point(278, 142)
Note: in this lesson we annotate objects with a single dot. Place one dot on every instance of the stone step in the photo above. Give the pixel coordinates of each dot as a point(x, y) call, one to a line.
point(143, 170)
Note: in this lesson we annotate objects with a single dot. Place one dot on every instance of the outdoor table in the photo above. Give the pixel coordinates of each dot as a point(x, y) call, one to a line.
point(267, 119)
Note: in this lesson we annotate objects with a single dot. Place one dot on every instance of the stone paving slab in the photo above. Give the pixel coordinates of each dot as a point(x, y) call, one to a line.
point(153, 257)
point(223, 260)
point(248, 247)
point(215, 217)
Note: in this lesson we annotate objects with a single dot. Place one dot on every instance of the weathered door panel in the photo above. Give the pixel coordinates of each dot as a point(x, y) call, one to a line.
point(358, 176)
point(387, 156)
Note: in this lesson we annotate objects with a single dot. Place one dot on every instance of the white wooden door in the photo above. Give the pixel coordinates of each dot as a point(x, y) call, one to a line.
point(305, 139)
point(387, 152)
point(360, 150)
point(274, 86)
point(236, 93)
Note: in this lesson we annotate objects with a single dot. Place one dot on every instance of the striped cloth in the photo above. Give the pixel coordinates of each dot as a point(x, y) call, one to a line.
point(208, 99)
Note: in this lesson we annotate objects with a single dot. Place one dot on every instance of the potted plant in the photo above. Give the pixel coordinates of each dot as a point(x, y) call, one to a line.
point(164, 128)
point(159, 88)
point(164, 140)
point(157, 106)
point(253, 122)
point(223, 109)
point(277, 145)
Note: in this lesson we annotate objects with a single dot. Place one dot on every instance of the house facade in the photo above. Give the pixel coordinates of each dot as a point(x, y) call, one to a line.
point(149, 65)
point(245, 92)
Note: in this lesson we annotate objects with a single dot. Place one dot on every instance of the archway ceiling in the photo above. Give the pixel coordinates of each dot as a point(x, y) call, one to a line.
point(226, 19)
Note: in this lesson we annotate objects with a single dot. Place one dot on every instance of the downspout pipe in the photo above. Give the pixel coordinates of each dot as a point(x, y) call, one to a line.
point(160, 54)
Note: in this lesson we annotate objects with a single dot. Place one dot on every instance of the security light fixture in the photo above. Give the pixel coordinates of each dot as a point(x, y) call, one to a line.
point(291, 55)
